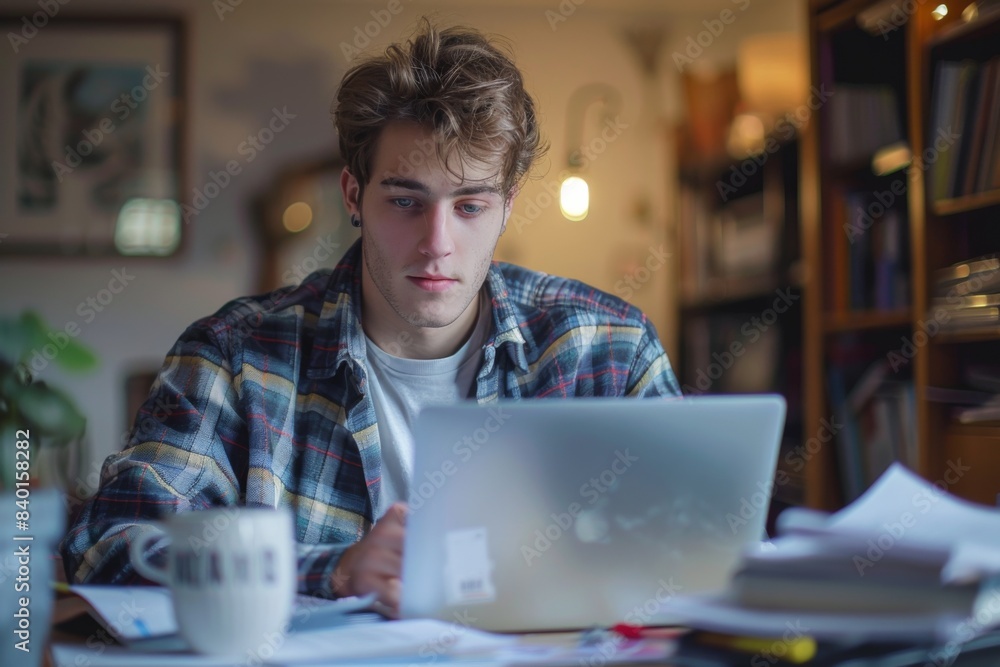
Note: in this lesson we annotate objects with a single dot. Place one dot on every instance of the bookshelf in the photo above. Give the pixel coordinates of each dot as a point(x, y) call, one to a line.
point(740, 285)
point(900, 192)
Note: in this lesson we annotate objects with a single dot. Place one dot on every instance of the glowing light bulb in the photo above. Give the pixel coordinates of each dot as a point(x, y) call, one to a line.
point(574, 198)
point(297, 216)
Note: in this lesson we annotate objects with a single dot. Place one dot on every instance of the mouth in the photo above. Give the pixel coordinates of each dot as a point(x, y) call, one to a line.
point(432, 282)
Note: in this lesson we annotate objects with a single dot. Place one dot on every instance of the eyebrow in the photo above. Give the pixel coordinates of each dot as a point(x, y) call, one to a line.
point(410, 184)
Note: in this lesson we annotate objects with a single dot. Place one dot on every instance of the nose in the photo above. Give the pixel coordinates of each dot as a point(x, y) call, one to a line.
point(437, 240)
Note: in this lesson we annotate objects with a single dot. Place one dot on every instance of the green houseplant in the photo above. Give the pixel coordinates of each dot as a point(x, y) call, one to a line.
point(35, 418)
point(28, 405)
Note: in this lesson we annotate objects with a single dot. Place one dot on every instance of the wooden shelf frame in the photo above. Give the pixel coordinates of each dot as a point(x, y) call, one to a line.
point(932, 224)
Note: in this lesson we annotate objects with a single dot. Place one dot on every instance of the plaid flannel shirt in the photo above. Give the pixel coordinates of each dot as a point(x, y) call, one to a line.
point(265, 404)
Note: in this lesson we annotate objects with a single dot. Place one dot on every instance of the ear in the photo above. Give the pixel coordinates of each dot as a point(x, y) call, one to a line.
point(351, 190)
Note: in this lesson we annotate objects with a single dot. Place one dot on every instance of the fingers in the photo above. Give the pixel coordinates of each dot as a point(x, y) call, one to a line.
point(375, 563)
point(396, 514)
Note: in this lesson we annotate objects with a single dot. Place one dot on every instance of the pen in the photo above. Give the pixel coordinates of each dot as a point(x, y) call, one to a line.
point(629, 631)
point(796, 650)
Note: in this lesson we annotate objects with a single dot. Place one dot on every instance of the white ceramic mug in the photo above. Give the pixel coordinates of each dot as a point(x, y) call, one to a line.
point(232, 573)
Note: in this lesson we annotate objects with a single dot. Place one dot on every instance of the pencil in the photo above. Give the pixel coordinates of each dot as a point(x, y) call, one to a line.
point(796, 650)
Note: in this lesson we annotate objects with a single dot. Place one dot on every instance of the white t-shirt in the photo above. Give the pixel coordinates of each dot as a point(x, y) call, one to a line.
point(400, 388)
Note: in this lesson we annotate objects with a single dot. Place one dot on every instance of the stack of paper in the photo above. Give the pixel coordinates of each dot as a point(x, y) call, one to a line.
point(327, 632)
point(907, 561)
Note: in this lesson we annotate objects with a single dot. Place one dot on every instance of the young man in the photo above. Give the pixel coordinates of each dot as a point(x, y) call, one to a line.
point(305, 397)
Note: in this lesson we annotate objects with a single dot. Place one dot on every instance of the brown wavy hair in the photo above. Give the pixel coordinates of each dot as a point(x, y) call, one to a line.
point(455, 81)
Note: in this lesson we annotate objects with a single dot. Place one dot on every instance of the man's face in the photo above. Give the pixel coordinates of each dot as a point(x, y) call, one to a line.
point(428, 237)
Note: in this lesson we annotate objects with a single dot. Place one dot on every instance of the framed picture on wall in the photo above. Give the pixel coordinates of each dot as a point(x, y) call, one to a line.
point(91, 158)
point(302, 222)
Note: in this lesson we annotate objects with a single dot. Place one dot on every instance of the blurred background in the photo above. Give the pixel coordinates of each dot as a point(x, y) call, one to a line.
point(233, 122)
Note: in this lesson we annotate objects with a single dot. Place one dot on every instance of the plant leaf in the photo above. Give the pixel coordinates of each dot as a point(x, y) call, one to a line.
point(51, 412)
point(70, 354)
point(34, 327)
point(14, 342)
point(7, 450)
point(75, 357)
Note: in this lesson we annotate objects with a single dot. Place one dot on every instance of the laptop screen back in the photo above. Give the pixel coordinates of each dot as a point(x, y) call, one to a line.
point(549, 515)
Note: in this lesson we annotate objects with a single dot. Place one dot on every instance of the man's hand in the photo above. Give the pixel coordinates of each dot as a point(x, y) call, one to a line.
point(375, 564)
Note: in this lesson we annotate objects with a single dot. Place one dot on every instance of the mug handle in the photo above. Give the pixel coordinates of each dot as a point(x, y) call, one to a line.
point(138, 557)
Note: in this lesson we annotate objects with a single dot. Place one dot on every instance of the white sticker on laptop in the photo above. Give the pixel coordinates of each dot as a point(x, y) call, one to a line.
point(468, 570)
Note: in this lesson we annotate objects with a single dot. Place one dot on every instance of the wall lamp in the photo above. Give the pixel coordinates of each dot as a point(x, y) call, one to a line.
point(574, 193)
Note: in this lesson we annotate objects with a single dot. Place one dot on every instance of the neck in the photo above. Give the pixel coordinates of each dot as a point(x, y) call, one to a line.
point(399, 338)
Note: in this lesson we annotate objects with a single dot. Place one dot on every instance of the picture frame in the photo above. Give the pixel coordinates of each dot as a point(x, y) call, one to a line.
point(93, 163)
point(301, 222)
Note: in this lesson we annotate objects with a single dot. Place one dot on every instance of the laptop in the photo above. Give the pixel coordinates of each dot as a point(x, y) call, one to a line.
point(566, 514)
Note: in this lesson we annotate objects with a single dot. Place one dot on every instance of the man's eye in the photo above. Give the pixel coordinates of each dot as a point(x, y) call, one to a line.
point(471, 209)
point(403, 202)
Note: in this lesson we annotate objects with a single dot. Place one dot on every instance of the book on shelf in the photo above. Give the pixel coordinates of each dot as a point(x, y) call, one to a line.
point(878, 414)
point(978, 414)
point(977, 160)
point(965, 272)
point(967, 295)
point(983, 377)
point(964, 99)
point(862, 119)
point(988, 177)
point(985, 381)
point(876, 255)
point(957, 396)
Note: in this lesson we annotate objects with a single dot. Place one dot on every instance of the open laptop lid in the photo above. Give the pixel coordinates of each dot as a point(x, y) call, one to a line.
point(565, 514)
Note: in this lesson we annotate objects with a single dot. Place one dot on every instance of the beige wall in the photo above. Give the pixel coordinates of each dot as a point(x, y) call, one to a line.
point(288, 54)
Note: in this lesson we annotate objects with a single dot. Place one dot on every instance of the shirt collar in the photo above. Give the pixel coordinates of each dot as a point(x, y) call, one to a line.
point(340, 338)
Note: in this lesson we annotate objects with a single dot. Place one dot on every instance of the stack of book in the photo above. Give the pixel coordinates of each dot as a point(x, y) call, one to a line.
point(906, 561)
point(967, 295)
